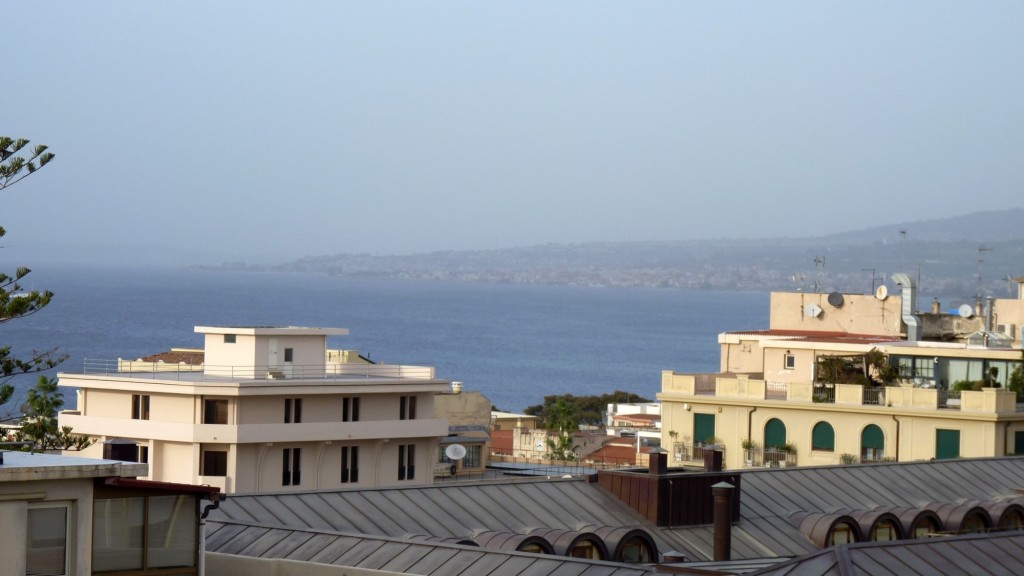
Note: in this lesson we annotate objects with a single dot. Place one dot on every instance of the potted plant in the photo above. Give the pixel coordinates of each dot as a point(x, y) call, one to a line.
point(749, 446)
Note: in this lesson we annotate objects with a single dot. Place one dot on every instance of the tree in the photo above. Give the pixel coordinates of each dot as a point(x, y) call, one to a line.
point(589, 410)
point(14, 301)
point(39, 426)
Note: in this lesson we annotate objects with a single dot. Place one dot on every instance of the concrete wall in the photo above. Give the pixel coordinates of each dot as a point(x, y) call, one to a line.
point(859, 314)
point(15, 499)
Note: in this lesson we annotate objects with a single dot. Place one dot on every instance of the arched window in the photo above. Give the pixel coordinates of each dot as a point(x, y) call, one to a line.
point(924, 526)
point(823, 437)
point(842, 533)
point(774, 433)
point(872, 444)
point(884, 531)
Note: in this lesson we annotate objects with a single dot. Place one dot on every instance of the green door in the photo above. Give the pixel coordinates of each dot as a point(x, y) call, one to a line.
point(947, 444)
point(774, 433)
point(703, 428)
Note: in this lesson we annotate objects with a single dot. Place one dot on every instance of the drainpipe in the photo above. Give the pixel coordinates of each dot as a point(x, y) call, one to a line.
point(215, 500)
point(750, 415)
point(722, 493)
point(897, 420)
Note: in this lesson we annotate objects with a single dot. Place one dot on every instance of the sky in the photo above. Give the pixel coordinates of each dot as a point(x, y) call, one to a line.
point(267, 131)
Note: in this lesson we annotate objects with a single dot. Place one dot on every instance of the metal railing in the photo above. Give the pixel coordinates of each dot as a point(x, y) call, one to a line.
point(776, 391)
point(685, 452)
point(189, 372)
point(704, 384)
point(824, 393)
point(949, 399)
point(772, 457)
point(874, 396)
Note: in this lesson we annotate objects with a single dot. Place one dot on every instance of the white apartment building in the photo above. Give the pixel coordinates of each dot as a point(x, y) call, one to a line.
point(270, 409)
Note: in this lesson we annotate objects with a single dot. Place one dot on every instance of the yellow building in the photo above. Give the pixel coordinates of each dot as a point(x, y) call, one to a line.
point(265, 409)
point(843, 378)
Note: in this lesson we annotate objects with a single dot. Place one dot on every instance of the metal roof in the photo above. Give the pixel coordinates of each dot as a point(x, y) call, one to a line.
point(398, 555)
point(996, 553)
point(771, 502)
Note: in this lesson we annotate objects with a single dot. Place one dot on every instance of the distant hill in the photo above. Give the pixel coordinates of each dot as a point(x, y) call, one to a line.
point(944, 251)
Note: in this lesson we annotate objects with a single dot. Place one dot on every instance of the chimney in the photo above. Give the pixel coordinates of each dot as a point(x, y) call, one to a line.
point(722, 493)
point(936, 306)
point(909, 311)
point(658, 463)
point(989, 309)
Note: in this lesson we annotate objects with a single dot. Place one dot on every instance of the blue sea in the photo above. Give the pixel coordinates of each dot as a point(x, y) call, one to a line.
point(515, 343)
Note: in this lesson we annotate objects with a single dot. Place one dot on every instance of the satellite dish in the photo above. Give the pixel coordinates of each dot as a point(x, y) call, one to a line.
point(965, 310)
point(812, 310)
point(835, 299)
point(455, 452)
point(882, 293)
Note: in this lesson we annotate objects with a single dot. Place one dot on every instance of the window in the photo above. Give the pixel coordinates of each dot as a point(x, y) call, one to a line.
point(1018, 442)
point(229, 338)
point(143, 455)
point(472, 458)
point(704, 428)
point(289, 354)
point(166, 525)
point(823, 437)
point(46, 551)
point(406, 461)
point(841, 533)
point(774, 433)
point(884, 531)
point(789, 361)
point(140, 407)
point(291, 467)
point(407, 408)
point(215, 411)
point(349, 464)
point(350, 409)
point(947, 444)
point(292, 410)
point(872, 444)
point(215, 462)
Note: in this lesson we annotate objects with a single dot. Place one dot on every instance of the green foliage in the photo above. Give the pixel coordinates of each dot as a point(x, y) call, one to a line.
point(39, 426)
point(1016, 381)
point(561, 412)
point(561, 447)
point(869, 369)
point(14, 301)
point(848, 458)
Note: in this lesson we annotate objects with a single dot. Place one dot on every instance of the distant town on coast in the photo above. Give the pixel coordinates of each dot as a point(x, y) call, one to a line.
point(948, 253)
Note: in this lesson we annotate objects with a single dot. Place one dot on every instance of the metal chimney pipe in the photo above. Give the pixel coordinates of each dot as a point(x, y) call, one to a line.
point(722, 493)
point(989, 309)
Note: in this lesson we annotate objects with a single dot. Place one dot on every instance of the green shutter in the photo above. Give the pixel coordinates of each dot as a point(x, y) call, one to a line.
point(774, 433)
point(947, 444)
point(703, 427)
point(872, 437)
point(823, 437)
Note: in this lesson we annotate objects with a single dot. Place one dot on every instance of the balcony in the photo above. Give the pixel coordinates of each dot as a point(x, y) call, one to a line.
point(744, 388)
point(686, 452)
point(212, 373)
point(773, 457)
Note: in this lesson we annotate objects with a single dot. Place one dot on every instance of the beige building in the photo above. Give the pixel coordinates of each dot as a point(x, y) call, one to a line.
point(269, 409)
point(841, 378)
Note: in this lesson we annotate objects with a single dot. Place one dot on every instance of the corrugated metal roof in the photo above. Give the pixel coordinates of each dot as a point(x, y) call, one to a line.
point(396, 555)
point(997, 553)
point(765, 530)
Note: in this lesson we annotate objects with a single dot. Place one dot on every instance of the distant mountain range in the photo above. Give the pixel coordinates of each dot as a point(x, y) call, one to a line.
point(945, 252)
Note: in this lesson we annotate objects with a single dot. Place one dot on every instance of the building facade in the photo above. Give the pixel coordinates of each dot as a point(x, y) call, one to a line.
point(270, 409)
point(845, 378)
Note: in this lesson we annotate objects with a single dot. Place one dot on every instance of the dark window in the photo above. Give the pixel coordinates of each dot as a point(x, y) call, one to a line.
point(872, 443)
point(291, 467)
point(407, 408)
point(704, 428)
point(947, 444)
point(215, 463)
point(774, 433)
point(46, 540)
point(289, 353)
point(144, 454)
point(1018, 442)
point(133, 535)
point(292, 410)
point(140, 407)
point(350, 409)
point(349, 464)
point(215, 411)
point(229, 338)
point(406, 461)
point(823, 437)
point(790, 361)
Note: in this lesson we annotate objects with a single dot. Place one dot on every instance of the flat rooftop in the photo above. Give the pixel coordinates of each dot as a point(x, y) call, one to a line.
point(272, 330)
point(25, 466)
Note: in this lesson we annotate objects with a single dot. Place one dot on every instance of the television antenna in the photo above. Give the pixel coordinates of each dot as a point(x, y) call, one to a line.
point(819, 262)
point(872, 270)
point(981, 270)
point(903, 248)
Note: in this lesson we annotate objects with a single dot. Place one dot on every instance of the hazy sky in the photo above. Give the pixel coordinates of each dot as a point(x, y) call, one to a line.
point(271, 131)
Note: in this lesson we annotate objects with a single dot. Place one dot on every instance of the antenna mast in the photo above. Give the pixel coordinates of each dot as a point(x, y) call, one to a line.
point(819, 261)
point(981, 269)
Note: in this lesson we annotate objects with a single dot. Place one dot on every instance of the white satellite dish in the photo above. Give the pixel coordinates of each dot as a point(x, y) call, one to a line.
point(882, 292)
point(455, 452)
point(812, 310)
point(965, 310)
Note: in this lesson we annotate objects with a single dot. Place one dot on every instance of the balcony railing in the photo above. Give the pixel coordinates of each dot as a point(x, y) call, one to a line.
point(824, 393)
point(770, 457)
point(705, 384)
point(686, 452)
point(949, 399)
point(209, 372)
